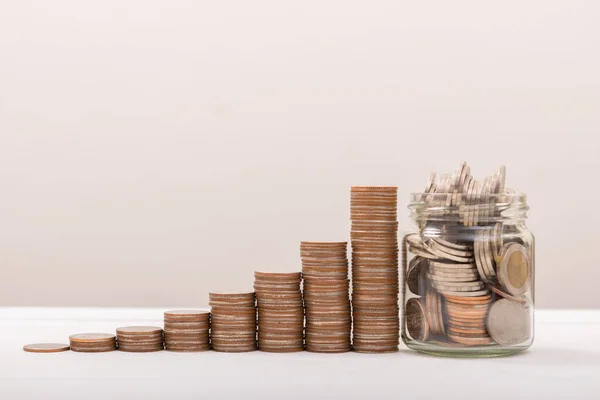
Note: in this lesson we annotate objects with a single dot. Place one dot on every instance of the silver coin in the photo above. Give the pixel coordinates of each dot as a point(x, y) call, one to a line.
point(485, 198)
point(497, 242)
point(422, 253)
point(439, 314)
point(456, 175)
point(452, 245)
point(478, 194)
point(459, 286)
point(479, 238)
point(452, 265)
point(449, 250)
point(415, 240)
point(471, 200)
point(450, 278)
point(464, 173)
point(453, 271)
point(478, 261)
point(470, 205)
point(514, 270)
point(478, 293)
point(434, 249)
point(501, 173)
point(487, 253)
point(509, 322)
point(414, 272)
point(473, 275)
point(481, 241)
point(431, 303)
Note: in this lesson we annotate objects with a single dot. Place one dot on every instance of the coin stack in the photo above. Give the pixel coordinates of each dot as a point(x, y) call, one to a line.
point(233, 325)
point(462, 265)
point(93, 342)
point(187, 330)
point(374, 234)
point(280, 311)
point(140, 339)
point(326, 296)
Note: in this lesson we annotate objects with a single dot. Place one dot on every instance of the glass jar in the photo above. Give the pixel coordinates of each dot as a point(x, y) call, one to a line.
point(468, 270)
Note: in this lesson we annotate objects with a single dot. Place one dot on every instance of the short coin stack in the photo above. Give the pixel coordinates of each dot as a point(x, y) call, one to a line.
point(374, 234)
point(140, 339)
point(280, 311)
point(233, 325)
point(326, 296)
point(93, 342)
point(187, 330)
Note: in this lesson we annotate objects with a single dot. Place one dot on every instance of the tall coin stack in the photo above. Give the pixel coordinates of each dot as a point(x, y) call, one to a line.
point(233, 324)
point(187, 330)
point(280, 311)
point(374, 234)
point(326, 296)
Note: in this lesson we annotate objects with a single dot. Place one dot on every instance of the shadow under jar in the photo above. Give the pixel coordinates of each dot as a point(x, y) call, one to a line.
point(468, 270)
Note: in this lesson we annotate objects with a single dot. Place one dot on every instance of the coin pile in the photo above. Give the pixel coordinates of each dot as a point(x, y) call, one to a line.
point(374, 234)
point(461, 265)
point(458, 194)
point(93, 342)
point(233, 322)
point(187, 330)
point(140, 339)
point(280, 311)
point(326, 296)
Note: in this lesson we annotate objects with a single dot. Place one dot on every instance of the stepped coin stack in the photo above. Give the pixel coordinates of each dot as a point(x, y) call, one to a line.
point(326, 296)
point(140, 339)
point(374, 234)
point(280, 311)
point(462, 265)
point(93, 342)
point(187, 330)
point(233, 322)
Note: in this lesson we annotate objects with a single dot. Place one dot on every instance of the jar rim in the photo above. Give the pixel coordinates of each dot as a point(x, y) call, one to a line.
point(419, 197)
point(485, 207)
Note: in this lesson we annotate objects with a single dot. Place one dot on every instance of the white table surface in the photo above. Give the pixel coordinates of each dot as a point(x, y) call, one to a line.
point(563, 363)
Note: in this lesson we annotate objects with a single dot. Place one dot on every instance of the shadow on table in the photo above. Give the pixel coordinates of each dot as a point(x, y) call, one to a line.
point(538, 356)
point(558, 356)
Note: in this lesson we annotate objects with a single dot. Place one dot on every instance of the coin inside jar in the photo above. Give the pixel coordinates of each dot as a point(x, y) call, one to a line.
point(416, 320)
point(509, 322)
point(514, 268)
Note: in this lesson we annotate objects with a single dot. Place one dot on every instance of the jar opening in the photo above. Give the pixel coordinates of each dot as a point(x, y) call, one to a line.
point(471, 209)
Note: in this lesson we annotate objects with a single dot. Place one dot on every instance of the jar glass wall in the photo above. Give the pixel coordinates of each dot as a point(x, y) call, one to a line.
point(468, 267)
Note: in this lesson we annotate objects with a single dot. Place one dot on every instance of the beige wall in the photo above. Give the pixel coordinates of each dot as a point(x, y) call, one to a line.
point(151, 151)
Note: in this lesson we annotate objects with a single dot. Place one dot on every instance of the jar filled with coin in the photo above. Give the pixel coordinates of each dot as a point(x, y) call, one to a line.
point(468, 268)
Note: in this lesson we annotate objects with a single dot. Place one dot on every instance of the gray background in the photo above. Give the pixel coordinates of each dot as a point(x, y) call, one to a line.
point(151, 151)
